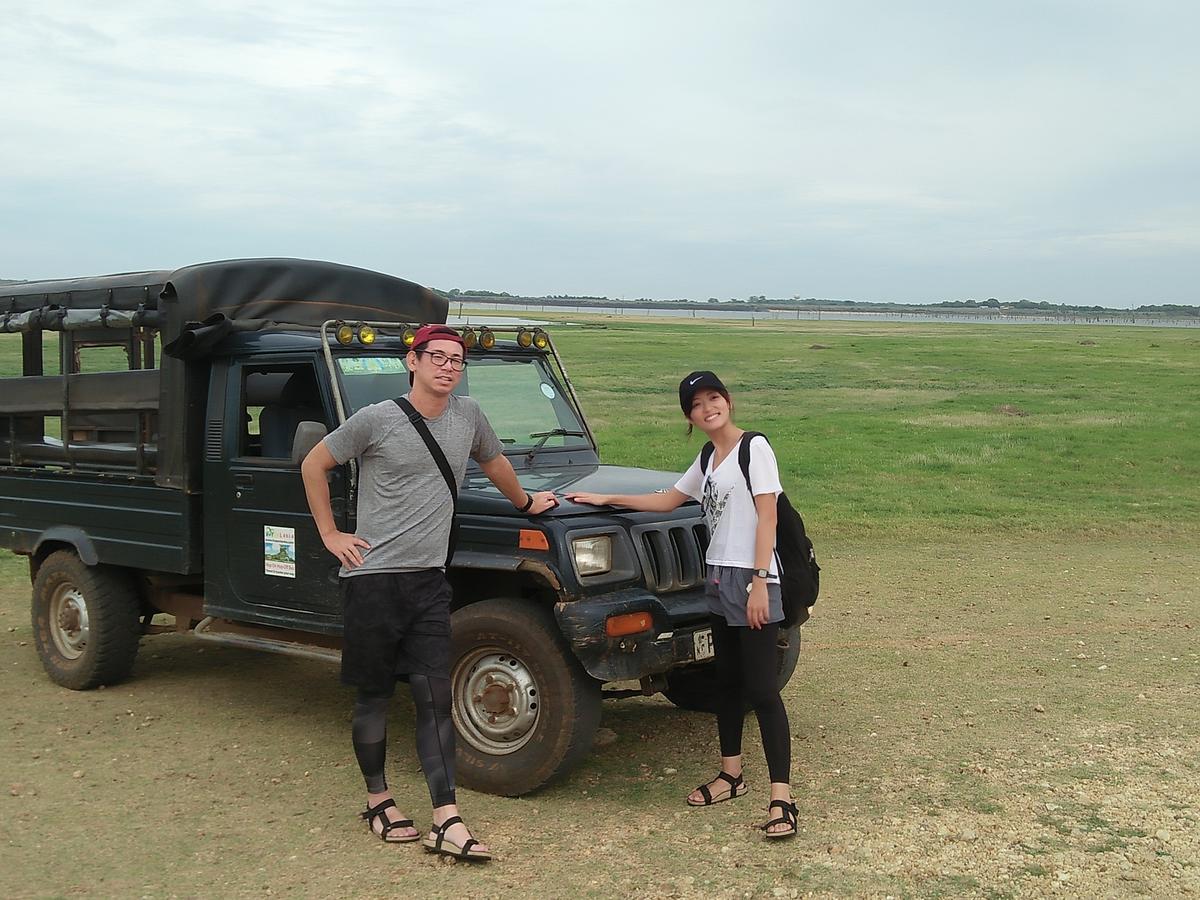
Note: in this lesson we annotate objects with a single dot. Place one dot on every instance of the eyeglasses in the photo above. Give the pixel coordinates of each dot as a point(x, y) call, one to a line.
point(439, 359)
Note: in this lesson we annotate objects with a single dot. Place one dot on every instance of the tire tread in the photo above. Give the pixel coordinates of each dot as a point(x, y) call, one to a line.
point(112, 617)
point(581, 701)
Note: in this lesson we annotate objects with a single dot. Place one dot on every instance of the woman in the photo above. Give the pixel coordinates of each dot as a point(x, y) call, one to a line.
point(742, 587)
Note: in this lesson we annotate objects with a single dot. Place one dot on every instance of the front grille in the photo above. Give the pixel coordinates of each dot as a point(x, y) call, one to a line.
point(672, 556)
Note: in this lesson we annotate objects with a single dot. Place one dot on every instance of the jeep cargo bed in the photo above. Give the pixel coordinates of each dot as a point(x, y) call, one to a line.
point(111, 520)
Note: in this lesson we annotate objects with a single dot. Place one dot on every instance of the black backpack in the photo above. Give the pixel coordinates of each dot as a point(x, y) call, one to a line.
point(799, 574)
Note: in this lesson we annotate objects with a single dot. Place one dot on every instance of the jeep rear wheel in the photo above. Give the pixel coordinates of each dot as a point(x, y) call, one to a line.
point(695, 687)
point(85, 622)
point(525, 710)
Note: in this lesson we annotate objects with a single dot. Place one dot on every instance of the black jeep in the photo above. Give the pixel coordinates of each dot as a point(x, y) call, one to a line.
point(169, 484)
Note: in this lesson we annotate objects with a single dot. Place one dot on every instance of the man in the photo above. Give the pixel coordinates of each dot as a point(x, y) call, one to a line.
point(395, 593)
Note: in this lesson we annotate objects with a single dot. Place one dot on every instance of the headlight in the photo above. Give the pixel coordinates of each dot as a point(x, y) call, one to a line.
point(593, 555)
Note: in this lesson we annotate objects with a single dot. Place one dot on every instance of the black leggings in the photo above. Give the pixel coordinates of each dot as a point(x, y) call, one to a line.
point(747, 674)
point(435, 736)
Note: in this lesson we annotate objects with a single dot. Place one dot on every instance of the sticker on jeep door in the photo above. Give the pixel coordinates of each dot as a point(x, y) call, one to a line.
point(279, 551)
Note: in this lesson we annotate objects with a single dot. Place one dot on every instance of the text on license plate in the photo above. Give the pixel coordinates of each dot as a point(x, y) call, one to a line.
point(702, 644)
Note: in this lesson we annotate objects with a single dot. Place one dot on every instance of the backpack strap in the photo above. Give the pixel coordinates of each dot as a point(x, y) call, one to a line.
point(706, 453)
point(744, 456)
point(435, 450)
point(744, 464)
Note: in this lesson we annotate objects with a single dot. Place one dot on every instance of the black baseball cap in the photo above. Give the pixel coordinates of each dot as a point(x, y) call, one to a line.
point(698, 381)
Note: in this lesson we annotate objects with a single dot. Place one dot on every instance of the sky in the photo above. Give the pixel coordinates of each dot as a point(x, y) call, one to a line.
point(874, 151)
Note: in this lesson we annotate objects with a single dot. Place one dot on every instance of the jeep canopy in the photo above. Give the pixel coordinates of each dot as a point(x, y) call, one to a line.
point(280, 291)
point(179, 306)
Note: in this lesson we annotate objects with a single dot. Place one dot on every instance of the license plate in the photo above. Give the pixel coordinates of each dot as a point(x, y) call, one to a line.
point(702, 647)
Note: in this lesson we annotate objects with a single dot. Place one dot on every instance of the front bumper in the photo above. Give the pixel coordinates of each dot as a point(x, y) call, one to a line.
point(670, 643)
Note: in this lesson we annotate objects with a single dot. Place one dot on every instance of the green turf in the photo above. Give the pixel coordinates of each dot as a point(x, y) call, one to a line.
point(929, 428)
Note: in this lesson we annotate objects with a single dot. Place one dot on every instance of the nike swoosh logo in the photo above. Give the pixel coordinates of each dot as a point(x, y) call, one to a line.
point(694, 380)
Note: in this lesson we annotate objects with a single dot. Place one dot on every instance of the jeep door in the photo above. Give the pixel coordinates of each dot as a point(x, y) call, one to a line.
point(265, 560)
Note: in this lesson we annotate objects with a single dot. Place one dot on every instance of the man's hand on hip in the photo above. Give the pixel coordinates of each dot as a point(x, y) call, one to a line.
point(345, 547)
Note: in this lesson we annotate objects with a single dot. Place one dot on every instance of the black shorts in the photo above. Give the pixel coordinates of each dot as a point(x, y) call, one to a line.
point(396, 624)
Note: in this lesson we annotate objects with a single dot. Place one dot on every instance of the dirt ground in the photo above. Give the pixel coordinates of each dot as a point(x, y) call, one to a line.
point(998, 719)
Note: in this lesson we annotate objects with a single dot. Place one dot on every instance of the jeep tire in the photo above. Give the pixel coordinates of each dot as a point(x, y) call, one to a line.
point(695, 687)
point(85, 621)
point(525, 710)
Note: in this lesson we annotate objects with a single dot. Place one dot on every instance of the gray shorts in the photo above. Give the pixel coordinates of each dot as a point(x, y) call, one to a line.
point(725, 590)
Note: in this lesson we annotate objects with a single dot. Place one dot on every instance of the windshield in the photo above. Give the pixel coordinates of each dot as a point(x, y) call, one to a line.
point(521, 398)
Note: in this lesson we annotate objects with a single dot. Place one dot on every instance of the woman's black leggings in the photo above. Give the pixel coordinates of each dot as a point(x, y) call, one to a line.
point(435, 736)
point(747, 674)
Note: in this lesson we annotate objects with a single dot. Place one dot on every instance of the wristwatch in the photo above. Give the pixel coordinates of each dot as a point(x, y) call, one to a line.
point(528, 503)
point(758, 573)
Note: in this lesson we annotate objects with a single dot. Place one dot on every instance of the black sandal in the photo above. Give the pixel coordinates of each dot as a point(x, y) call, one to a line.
point(447, 847)
point(734, 785)
point(788, 816)
point(378, 812)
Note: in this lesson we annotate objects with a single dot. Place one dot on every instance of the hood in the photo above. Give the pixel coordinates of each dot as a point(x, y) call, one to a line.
point(480, 496)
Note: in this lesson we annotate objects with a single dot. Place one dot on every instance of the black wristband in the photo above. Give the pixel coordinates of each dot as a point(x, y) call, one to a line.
point(528, 503)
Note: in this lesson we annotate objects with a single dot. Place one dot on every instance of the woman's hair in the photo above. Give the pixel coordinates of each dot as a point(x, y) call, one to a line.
point(724, 393)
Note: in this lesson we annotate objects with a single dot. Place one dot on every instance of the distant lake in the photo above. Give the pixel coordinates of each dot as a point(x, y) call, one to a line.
point(994, 318)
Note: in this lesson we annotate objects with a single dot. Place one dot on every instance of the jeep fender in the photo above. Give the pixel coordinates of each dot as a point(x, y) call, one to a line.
point(75, 538)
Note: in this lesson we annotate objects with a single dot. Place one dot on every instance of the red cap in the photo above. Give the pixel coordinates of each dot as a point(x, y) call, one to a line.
point(427, 333)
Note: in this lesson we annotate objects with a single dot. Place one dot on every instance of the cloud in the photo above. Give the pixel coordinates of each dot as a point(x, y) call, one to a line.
point(672, 149)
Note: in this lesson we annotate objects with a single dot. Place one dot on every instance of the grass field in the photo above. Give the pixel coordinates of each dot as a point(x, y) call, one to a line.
point(999, 693)
point(935, 429)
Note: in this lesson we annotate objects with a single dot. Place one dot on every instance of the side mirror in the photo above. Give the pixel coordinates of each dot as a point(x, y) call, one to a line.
point(308, 435)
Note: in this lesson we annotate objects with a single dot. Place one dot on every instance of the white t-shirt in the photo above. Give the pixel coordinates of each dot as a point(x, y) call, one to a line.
point(728, 506)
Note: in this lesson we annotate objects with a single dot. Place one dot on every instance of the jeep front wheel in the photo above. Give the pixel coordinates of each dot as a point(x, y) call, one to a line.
point(525, 710)
point(85, 621)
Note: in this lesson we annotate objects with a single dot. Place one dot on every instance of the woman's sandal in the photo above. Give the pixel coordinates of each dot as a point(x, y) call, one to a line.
point(788, 816)
point(443, 845)
point(378, 811)
point(737, 787)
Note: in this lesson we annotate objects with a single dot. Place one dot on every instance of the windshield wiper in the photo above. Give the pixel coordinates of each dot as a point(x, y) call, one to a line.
point(545, 436)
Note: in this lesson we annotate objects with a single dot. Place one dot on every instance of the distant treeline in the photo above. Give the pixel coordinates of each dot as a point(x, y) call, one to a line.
point(760, 302)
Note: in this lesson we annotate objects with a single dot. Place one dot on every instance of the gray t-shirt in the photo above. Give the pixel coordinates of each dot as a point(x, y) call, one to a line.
point(404, 507)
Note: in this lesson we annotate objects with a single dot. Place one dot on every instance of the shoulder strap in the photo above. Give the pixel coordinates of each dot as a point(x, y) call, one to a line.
point(744, 455)
point(706, 453)
point(418, 422)
point(744, 463)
